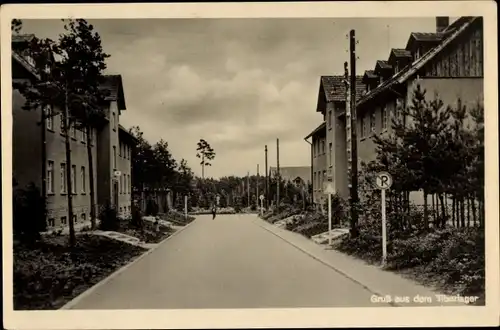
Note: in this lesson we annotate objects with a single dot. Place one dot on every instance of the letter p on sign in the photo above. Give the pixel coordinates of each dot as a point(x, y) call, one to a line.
point(383, 180)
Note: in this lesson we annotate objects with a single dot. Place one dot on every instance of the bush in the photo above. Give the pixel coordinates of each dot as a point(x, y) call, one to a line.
point(152, 208)
point(109, 217)
point(49, 273)
point(29, 214)
point(136, 217)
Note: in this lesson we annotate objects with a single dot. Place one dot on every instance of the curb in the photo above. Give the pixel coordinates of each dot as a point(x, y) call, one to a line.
point(117, 272)
point(327, 264)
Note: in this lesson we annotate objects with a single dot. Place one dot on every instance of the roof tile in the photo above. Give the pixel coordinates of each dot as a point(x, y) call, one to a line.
point(335, 88)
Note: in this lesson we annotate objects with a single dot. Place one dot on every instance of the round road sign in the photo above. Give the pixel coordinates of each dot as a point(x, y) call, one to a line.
point(261, 197)
point(383, 180)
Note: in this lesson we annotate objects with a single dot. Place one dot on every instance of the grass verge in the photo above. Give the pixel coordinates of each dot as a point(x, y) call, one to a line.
point(48, 274)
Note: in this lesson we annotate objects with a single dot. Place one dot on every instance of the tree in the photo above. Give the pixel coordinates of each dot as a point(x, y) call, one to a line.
point(90, 60)
point(16, 25)
point(206, 154)
point(164, 165)
point(414, 152)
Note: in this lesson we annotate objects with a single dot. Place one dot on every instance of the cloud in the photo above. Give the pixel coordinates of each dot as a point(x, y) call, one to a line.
point(238, 83)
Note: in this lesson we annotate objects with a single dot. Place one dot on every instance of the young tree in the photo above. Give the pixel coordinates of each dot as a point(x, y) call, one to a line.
point(414, 153)
point(89, 58)
point(206, 154)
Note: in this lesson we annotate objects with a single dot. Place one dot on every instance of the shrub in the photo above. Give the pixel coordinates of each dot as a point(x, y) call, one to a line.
point(152, 208)
point(29, 214)
point(108, 217)
point(136, 218)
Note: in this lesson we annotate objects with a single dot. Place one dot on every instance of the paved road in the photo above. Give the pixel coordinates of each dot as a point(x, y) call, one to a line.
point(229, 262)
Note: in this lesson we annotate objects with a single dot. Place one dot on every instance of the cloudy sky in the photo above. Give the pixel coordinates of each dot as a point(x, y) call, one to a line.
point(237, 83)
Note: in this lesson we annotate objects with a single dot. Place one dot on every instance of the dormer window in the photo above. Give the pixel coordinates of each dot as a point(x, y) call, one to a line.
point(417, 54)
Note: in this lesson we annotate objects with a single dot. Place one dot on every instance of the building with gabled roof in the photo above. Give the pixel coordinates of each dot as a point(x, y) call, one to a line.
point(39, 155)
point(448, 62)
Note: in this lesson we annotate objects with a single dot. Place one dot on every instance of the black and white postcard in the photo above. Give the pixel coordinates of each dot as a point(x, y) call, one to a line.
point(202, 165)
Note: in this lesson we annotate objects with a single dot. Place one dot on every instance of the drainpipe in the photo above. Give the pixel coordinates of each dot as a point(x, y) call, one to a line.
point(312, 171)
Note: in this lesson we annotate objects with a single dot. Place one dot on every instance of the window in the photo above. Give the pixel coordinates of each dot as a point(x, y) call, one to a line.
point(61, 119)
point(114, 121)
point(130, 184)
point(120, 188)
point(363, 128)
point(372, 121)
point(323, 146)
point(330, 118)
point(50, 177)
point(385, 118)
point(82, 178)
point(114, 157)
point(83, 217)
point(73, 179)
point(64, 220)
point(73, 131)
point(51, 222)
point(330, 154)
point(84, 134)
point(75, 220)
point(120, 151)
point(63, 178)
point(48, 116)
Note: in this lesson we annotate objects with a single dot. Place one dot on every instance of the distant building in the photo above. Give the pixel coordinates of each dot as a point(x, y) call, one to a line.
point(298, 175)
point(111, 150)
point(448, 62)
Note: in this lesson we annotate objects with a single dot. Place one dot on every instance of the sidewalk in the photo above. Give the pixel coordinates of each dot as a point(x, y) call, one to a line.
point(376, 280)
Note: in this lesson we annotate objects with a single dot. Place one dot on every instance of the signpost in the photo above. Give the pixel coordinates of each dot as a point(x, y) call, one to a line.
point(261, 197)
point(383, 182)
point(329, 190)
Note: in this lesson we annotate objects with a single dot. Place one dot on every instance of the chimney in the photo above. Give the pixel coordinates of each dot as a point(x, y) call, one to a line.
point(442, 23)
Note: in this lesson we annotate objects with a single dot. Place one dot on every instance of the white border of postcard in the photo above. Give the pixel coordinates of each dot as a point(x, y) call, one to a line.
point(283, 318)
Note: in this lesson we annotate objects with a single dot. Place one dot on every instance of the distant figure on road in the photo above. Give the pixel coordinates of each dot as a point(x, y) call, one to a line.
point(214, 212)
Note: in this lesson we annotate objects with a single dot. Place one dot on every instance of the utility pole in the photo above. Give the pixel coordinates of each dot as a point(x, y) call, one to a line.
point(257, 188)
point(278, 181)
point(267, 180)
point(354, 149)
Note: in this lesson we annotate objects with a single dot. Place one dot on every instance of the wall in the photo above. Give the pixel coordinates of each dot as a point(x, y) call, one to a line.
point(56, 152)
point(103, 165)
point(125, 184)
point(340, 157)
point(470, 90)
point(319, 166)
point(26, 137)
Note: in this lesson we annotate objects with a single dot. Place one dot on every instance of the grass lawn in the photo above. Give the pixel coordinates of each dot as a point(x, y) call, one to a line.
point(47, 275)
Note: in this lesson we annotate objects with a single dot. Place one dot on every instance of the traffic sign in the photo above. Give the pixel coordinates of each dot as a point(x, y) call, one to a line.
point(328, 188)
point(261, 197)
point(117, 173)
point(383, 180)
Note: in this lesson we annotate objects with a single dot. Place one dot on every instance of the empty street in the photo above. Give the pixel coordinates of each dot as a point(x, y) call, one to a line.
point(229, 262)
